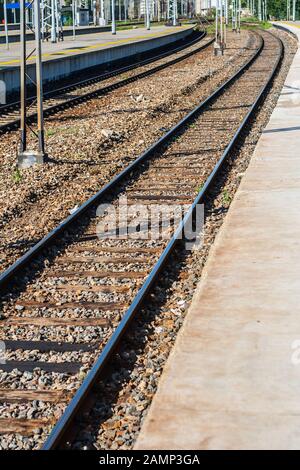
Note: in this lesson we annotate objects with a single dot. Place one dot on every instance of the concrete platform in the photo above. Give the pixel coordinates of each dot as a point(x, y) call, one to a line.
point(232, 380)
point(62, 59)
point(14, 34)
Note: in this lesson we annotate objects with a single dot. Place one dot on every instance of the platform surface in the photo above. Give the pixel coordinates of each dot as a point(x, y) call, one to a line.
point(232, 380)
point(85, 43)
point(13, 32)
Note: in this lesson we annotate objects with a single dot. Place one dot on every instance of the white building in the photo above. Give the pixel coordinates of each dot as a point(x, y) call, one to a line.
point(202, 6)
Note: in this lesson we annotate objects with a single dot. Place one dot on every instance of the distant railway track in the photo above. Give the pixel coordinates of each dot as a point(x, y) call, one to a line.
point(77, 93)
point(72, 281)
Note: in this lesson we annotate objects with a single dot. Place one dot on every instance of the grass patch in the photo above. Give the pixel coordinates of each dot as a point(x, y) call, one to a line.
point(226, 198)
point(49, 132)
point(199, 188)
point(17, 176)
point(246, 23)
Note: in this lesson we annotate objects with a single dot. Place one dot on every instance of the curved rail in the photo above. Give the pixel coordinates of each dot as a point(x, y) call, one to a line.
point(60, 430)
point(22, 262)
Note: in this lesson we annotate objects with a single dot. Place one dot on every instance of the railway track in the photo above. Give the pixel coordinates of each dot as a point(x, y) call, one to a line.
point(68, 301)
point(72, 95)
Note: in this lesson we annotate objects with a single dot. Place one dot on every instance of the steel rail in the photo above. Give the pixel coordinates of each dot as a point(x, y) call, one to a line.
point(112, 73)
point(59, 431)
point(53, 234)
point(104, 76)
point(286, 30)
point(101, 91)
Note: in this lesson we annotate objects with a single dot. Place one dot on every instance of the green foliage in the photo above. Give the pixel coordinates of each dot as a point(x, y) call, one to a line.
point(226, 198)
point(17, 176)
point(199, 188)
point(277, 9)
point(49, 132)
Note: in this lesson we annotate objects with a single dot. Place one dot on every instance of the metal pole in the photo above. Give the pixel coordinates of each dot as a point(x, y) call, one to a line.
point(113, 20)
point(216, 32)
point(294, 10)
point(74, 18)
point(39, 78)
point(94, 12)
point(5, 25)
point(27, 15)
point(266, 10)
point(42, 20)
point(53, 28)
point(174, 12)
point(226, 22)
point(23, 76)
point(221, 25)
point(148, 26)
point(226, 12)
point(102, 9)
point(56, 19)
point(239, 16)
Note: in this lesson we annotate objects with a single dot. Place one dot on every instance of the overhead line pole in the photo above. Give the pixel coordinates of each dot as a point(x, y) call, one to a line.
point(294, 10)
point(233, 18)
point(74, 18)
point(53, 22)
point(148, 15)
point(259, 10)
point(6, 25)
point(113, 19)
point(23, 135)
point(174, 12)
point(39, 78)
point(27, 158)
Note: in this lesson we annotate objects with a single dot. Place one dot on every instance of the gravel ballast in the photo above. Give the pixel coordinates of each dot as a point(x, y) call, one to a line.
point(126, 395)
point(95, 140)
